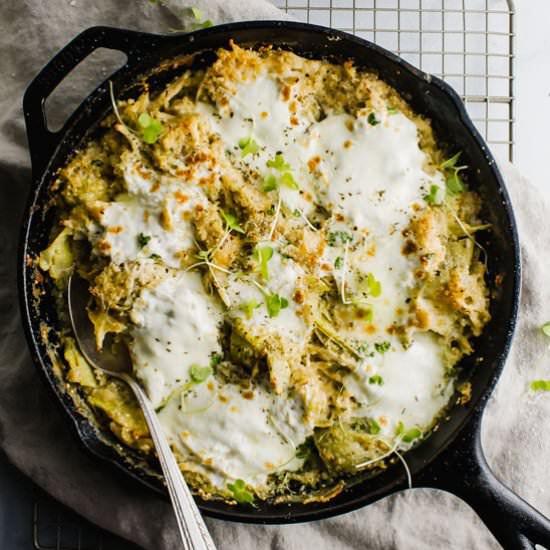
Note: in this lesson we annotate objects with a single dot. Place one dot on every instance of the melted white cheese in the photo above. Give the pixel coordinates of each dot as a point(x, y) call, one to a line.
point(235, 436)
point(176, 325)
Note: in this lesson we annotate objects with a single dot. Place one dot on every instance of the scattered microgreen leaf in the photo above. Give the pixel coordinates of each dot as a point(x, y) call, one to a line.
point(278, 163)
point(150, 128)
point(154, 257)
point(376, 379)
point(232, 223)
point(216, 359)
point(270, 183)
point(410, 435)
point(270, 211)
point(382, 347)
point(374, 285)
point(142, 240)
point(248, 146)
point(372, 120)
point(373, 426)
point(435, 196)
point(197, 13)
point(296, 213)
point(96, 162)
point(249, 307)
point(364, 349)
point(399, 428)
point(339, 237)
point(540, 385)
point(546, 328)
point(287, 179)
point(454, 184)
point(274, 303)
point(339, 262)
point(453, 181)
point(240, 492)
point(263, 254)
point(450, 163)
point(392, 110)
point(199, 374)
point(206, 24)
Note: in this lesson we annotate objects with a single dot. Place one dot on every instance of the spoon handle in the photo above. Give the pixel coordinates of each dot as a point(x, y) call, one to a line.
point(193, 530)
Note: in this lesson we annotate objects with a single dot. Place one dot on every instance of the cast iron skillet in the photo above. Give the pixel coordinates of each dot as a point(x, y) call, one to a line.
point(451, 458)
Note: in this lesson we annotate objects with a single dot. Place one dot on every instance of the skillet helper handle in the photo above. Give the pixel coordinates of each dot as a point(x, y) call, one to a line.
point(193, 530)
point(42, 141)
point(463, 470)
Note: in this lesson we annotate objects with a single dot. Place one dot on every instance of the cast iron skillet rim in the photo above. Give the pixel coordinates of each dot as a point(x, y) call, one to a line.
point(476, 410)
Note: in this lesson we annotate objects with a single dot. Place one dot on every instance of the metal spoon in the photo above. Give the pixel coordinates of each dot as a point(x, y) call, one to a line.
point(193, 531)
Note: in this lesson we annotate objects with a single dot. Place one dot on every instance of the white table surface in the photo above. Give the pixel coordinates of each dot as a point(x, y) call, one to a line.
point(532, 91)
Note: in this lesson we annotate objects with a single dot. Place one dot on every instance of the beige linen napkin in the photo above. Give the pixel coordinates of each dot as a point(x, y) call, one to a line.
point(36, 438)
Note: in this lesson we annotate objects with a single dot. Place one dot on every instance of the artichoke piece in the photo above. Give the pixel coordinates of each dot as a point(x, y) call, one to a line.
point(345, 445)
point(80, 372)
point(117, 401)
point(57, 259)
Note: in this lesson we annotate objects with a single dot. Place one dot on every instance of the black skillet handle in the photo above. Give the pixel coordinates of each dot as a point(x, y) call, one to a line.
point(43, 142)
point(462, 470)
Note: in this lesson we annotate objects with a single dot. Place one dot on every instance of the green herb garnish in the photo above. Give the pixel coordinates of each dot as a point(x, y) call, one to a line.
point(287, 179)
point(373, 426)
point(248, 146)
point(232, 223)
point(339, 262)
point(150, 128)
point(376, 379)
point(372, 120)
point(142, 240)
point(435, 196)
point(154, 257)
point(199, 374)
point(374, 285)
point(382, 347)
point(278, 163)
point(240, 492)
point(342, 237)
point(400, 428)
point(263, 254)
point(216, 359)
point(540, 385)
point(546, 328)
point(453, 182)
point(296, 213)
point(270, 183)
point(197, 13)
point(274, 303)
point(411, 435)
point(249, 307)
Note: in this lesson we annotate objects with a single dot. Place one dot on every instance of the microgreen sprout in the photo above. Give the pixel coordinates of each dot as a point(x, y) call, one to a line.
point(197, 14)
point(392, 110)
point(372, 120)
point(249, 307)
point(151, 128)
point(376, 379)
point(199, 374)
point(216, 359)
point(435, 196)
point(410, 435)
point(374, 286)
point(453, 181)
point(240, 492)
point(339, 237)
point(263, 254)
point(546, 328)
point(232, 223)
point(540, 385)
point(248, 146)
point(382, 347)
point(338, 262)
point(142, 240)
point(373, 426)
point(199, 23)
point(278, 163)
point(274, 303)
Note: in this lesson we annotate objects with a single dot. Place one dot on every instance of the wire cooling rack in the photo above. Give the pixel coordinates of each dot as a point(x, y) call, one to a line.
point(468, 43)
